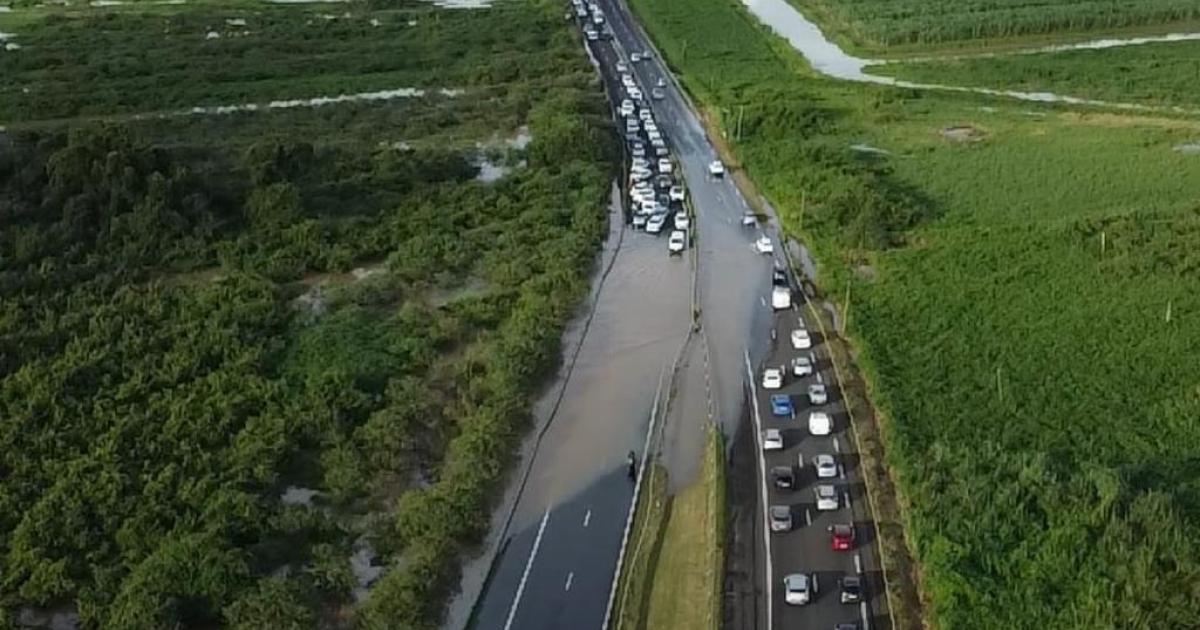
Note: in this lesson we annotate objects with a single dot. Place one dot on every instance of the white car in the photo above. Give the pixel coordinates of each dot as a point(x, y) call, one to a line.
point(662, 82)
point(819, 423)
point(627, 80)
point(799, 588)
point(826, 466)
point(639, 221)
point(651, 125)
point(657, 94)
point(640, 163)
point(664, 165)
point(677, 242)
point(749, 220)
point(827, 497)
point(802, 366)
point(781, 298)
point(801, 340)
point(638, 149)
point(635, 57)
point(622, 66)
point(682, 222)
point(635, 94)
point(772, 378)
point(677, 193)
point(645, 115)
point(773, 440)
point(626, 107)
point(763, 245)
point(654, 135)
point(716, 169)
point(817, 394)
point(655, 223)
point(639, 174)
point(650, 206)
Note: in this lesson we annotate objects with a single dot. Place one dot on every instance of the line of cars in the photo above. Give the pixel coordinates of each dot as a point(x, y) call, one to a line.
point(824, 470)
point(657, 196)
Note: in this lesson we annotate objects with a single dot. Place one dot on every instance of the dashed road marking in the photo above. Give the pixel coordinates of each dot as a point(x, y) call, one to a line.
point(537, 542)
point(846, 498)
point(837, 446)
point(841, 471)
point(763, 300)
point(820, 379)
point(570, 576)
point(862, 612)
point(807, 516)
point(858, 563)
point(587, 518)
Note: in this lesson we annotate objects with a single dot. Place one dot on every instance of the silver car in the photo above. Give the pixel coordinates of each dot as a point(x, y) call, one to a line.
point(826, 466)
point(827, 498)
point(799, 588)
point(781, 518)
point(802, 366)
point(817, 394)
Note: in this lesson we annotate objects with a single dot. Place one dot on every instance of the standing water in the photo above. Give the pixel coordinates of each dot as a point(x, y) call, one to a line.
point(830, 60)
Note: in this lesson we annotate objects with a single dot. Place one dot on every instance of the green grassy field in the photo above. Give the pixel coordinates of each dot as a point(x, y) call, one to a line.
point(878, 24)
point(204, 316)
point(99, 62)
point(1166, 74)
point(1023, 296)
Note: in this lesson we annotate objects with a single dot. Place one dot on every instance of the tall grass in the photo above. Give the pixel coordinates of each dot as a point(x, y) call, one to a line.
point(893, 22)
point(1165, 74)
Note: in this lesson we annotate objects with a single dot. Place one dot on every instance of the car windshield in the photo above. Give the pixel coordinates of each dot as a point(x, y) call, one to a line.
point(825, 492)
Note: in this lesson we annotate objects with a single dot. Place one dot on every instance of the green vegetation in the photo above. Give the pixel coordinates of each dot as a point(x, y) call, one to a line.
point(197, 313)
point(93, 62)
point(1165, 74)
point(692, 561)
point(674, 569)
point(642, 551)
point(1026, 313)
point(882, 23)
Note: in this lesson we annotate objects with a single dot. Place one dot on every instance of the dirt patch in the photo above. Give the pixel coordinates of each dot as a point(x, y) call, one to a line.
point(963, 133)
point(866, 272)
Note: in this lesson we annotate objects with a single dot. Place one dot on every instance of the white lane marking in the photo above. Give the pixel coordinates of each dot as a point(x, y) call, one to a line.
point(763, 300)
point(820, 379)
point(841, 471)
point(837, 446)
point(862, 612)
point(570, 576)
point(587, 518)
point(807, 516)
point(762, 465)
point(537, 542)
point(846, 498)
point(858, 563)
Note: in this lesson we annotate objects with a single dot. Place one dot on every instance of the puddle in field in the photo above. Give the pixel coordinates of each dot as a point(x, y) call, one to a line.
point(829, 59)
point(1093, 44)
point(462, 4)
point(382, 95)
point(1188, 148)
point(295, 495)
point(59, 618)
point(492, 167)
point(364, 569)
point(4, 8)
point(866, 148)
point(963, 133)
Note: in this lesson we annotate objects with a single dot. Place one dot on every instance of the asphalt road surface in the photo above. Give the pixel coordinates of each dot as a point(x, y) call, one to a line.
point(807, 548)
point(557, 565)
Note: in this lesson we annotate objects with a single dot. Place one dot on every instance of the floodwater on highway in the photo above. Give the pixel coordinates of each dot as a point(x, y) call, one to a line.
point(829, 59)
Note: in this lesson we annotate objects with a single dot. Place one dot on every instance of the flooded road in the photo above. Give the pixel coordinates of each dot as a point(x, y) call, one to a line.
point(830, 60)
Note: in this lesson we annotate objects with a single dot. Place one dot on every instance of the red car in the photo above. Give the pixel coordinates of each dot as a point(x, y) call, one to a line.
point(843, 537)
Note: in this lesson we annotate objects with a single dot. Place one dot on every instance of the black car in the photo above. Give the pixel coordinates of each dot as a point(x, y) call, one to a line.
point(783, 477)
point(779, 278)
point(664, 182)
point(851, 589)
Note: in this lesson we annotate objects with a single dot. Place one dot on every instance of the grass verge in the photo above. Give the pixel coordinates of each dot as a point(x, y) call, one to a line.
point(641, 555)
point(692, 557)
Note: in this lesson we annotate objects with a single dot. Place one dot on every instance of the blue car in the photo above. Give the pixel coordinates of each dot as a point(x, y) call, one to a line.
point(781, 405)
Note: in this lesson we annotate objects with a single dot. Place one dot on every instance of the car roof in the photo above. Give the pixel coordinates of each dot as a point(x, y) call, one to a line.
point(843, 528)
point(780, 398)
point(852, 580)
point(826, 489)
point(817, 386)
point(796, 580)
point(773, 433)
point(824, 458)
point(818, 415)
point(781, 510)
